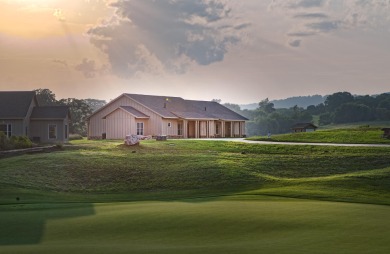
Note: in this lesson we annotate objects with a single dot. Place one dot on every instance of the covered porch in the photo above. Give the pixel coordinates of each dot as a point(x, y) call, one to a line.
point(203, 128)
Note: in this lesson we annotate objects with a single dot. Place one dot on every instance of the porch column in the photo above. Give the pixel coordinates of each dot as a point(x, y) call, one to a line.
point(196, 129)
point(185, 129)
point(231, 129)
point(222, 129)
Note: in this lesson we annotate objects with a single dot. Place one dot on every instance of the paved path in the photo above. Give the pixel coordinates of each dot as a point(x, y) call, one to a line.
point(291, 143)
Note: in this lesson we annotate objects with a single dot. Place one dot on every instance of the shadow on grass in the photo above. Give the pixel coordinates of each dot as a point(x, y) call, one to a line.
point(25, 224)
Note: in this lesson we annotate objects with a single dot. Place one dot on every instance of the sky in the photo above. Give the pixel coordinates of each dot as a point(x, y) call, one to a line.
point(234, 50)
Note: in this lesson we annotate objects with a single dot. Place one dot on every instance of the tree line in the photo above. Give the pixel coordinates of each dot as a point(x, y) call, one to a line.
point(340, 107)
point(79, 109)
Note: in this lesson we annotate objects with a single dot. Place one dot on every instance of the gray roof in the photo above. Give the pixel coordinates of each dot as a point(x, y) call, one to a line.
point(130, 110)
point(134, 112)
point(217, 110)
point(50, 112)
point(176, 107)
point(15, 105)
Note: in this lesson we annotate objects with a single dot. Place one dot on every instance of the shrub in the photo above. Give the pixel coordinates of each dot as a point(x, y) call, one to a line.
point(75, 137)
point(3, 141)
point(22, 142)
point(15, 142)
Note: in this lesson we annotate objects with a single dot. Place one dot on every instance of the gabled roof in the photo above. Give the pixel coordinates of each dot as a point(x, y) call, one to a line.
point(304, 126)
point(15, 105)
point(162, 105)
point(130, 110)
point(173, 107)
point(176, 107)
point(50, 112)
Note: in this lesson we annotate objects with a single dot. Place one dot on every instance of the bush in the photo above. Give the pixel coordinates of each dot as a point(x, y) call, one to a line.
point(75, 137)
point(15, 142)
point(3, 141)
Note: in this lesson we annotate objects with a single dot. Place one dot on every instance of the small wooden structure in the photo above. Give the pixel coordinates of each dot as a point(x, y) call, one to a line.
point(386, 132)
point(304, 127)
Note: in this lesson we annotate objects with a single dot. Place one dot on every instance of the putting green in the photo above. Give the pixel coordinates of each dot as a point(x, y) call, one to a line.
point(234, 225)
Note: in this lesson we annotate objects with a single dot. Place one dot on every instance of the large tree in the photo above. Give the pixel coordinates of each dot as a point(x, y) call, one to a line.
point(332, 102)
point(45, 97)
point(79, 111)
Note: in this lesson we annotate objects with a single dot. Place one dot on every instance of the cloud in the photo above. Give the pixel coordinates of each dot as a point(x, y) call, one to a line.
point(295, 43)
point(309, 18)
point(167, 34)
point(306, 3)
point(89, 68)
point(60, 62)
point(324, 26)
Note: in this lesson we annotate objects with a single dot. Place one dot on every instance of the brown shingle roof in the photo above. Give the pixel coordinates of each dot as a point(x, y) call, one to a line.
point(15, 104)
point(50, 112)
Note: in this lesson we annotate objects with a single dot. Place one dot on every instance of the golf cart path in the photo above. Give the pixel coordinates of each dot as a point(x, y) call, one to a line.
point(292, 143)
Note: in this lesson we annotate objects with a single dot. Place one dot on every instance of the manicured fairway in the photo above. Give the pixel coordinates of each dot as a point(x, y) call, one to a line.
point(238, 224)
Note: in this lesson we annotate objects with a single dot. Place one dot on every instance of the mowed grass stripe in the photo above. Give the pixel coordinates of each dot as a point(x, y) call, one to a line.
point(207, 226)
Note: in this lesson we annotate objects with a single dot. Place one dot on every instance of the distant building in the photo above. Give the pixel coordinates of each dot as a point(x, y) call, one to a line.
point(20, 115)
point(386, 132)
point(304, 127)
point(164, 116)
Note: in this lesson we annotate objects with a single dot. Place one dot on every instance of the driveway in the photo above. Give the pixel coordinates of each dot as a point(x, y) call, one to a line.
point(291, 143)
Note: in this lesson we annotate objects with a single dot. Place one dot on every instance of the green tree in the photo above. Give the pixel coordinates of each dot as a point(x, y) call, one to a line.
point(95, 104)
point(353, 112)
point(79, 111)
point(266, 106)
point(332, 102)
point(45, 97)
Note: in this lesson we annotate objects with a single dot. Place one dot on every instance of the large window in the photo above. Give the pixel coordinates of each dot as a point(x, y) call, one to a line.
point(6, 129)
point(52, 131)
point(140, 128)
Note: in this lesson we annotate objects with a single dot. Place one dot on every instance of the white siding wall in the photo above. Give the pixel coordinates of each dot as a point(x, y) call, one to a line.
point(97, 125)
point(170, 131)
point(119, 124)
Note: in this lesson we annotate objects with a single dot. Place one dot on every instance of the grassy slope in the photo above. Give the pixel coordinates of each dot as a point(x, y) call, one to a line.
point(371, 135)
point(236, 214)
point(100, 171)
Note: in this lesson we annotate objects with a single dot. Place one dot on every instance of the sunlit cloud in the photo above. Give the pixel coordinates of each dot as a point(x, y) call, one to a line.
point(169, 35)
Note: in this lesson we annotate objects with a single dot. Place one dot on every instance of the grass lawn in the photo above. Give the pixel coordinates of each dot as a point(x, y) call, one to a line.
point(190, 196)
point(238, 225)
point(369, 135)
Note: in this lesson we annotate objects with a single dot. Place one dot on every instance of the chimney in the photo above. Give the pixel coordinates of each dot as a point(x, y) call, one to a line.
point(165, 105)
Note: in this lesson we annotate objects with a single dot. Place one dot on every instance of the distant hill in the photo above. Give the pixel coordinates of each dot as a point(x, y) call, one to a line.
point(301, 101)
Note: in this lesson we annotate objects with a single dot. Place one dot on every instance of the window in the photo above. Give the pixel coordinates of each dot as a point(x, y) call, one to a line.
point(217, 128)
point(179, 129)
point(52, 131)
point(66, 131)
point(169, 124)
point(6, 129)
point(140, 128)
